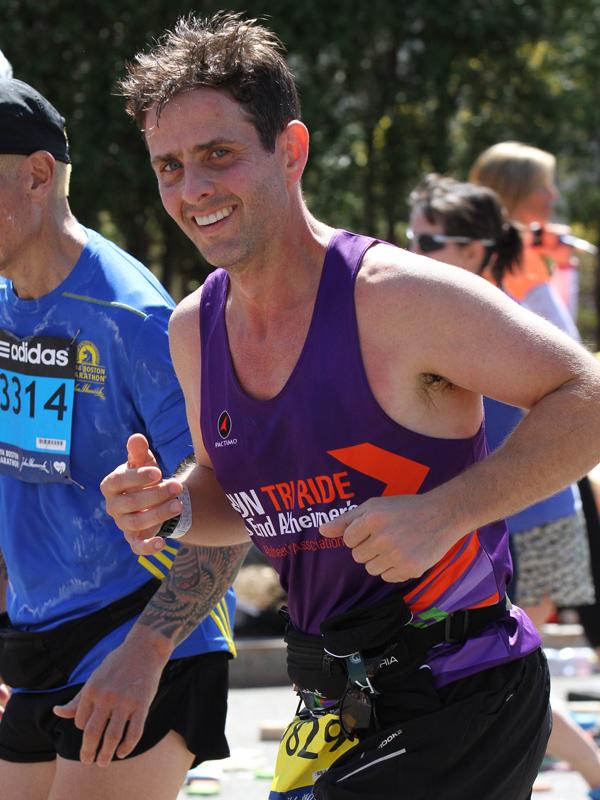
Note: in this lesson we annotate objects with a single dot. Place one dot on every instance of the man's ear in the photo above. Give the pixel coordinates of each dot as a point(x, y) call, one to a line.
point(294, 139)
point(39, 173)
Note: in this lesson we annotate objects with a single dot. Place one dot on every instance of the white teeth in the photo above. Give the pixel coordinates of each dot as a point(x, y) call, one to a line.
point(211, 218)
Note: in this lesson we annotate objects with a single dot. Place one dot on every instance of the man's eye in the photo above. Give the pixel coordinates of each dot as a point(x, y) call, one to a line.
point(171, 166)
point(219, 152)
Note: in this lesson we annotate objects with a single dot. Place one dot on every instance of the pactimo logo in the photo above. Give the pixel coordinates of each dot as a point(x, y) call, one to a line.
point(224, 429)
point(224, 425)
point(34, 354)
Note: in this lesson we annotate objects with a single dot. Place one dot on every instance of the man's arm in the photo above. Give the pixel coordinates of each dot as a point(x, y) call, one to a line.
point(198, 580)
point(118, 694)
point(435, 320)
point(140, 500)
point(116, 697)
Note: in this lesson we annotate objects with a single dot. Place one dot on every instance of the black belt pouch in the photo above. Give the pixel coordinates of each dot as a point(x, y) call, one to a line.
point(46, 659)
point(309, 667)
point(366, 630)
point(317, 662)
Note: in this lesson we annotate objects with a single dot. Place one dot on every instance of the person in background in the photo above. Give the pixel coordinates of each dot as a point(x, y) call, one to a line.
point(524, 177)
point(465, 225)
point(104, 652)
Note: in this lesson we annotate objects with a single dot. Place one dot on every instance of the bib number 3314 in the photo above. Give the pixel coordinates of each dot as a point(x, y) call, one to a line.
point(37, 388)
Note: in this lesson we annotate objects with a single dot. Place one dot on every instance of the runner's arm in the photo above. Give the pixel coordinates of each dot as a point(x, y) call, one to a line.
point(113, 705)
point(479, 342)
point(139, 500)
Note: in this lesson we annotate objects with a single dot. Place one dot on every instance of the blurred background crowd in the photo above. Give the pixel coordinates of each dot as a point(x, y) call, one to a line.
point(391, 91)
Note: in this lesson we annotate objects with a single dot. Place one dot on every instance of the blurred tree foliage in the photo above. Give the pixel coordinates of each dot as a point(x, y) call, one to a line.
point(390, 89)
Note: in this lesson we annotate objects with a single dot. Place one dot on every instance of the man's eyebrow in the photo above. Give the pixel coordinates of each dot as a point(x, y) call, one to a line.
point(198, 148)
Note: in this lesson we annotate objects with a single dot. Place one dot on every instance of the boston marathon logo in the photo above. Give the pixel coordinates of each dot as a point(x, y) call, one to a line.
point(26, 353)
point(90, 375)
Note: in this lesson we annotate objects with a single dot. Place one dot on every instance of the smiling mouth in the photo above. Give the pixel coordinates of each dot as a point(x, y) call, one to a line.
point(210, 219)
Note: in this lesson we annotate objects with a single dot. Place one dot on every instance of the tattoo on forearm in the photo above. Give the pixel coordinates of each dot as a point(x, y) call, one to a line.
point(199, 578)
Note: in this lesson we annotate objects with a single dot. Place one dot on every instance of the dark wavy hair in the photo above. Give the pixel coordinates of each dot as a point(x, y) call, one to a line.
point(466, 209)
point(225, 52)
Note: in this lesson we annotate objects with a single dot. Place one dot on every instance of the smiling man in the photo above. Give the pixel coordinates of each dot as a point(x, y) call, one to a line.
point(333, 389)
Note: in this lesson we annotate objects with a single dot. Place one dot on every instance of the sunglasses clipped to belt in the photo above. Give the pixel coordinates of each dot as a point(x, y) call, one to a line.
point(342, 662)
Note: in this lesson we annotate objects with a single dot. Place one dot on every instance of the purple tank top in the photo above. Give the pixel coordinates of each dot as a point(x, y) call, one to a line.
point(321, 447)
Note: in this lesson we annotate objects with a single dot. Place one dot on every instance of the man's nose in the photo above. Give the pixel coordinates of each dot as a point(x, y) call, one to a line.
point(197, 185)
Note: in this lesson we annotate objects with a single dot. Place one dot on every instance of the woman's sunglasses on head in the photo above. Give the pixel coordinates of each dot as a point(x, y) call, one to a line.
point(430, 242)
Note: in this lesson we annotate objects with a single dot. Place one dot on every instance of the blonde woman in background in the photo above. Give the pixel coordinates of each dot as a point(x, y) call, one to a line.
point(524, 177)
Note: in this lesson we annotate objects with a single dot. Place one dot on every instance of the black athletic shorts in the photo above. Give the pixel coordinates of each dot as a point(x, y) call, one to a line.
point(481, 738)
point(191, 699)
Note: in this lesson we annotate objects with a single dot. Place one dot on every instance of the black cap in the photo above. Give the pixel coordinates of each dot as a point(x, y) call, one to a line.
point(28, 122)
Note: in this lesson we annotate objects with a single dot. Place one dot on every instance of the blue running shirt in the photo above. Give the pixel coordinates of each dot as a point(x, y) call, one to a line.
point(81, 369)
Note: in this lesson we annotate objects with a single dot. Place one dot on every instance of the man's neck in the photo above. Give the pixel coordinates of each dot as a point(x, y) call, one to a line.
point(287, 278)
point(49, 259)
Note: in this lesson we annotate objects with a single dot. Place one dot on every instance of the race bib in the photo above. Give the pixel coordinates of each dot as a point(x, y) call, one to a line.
point(37, 387)
point(308, 747)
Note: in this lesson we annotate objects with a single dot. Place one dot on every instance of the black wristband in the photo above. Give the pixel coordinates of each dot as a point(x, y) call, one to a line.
point(168, 526)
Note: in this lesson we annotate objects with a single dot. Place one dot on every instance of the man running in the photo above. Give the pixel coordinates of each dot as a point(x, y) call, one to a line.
point(91, 641)
point(333, 388)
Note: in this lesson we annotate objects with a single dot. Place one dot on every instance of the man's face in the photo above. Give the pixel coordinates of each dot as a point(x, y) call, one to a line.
point(15, 214)
point(224, 190)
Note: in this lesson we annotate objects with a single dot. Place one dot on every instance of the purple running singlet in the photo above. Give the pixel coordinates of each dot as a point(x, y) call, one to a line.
point(323, 446)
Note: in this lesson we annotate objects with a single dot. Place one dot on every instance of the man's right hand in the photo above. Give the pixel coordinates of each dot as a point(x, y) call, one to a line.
point(138, 499)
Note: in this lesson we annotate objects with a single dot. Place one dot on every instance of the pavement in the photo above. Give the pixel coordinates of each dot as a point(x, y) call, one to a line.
point(254, 709)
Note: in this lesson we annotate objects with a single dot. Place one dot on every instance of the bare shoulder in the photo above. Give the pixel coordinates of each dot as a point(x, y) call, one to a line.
point(427, 318)
point(185, 319)
point(400, 287)
point(399, 275)
point(184, 340)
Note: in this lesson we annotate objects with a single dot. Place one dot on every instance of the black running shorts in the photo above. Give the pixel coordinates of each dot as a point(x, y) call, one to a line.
point(484, 741)
point(191, 700)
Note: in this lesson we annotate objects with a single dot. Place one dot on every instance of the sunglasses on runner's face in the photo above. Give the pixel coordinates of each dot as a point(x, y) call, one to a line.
point(430, 242)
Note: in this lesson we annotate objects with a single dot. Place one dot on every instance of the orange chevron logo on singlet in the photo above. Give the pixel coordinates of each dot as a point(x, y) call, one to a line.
point(401, 475)
point(404, 476)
